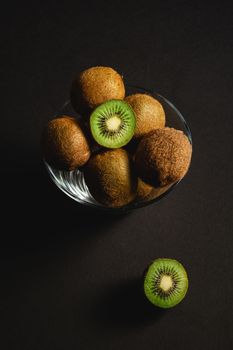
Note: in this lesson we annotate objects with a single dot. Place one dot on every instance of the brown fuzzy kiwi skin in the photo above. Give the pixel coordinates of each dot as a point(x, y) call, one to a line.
point(147, 192)
point(163, 157)
point(111, 178)
point(149, 113)
point(143, 191)
point(94, 86)
point(63, 143)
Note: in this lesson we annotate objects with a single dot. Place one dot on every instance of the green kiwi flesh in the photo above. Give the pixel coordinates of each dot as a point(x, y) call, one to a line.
point(110, 178)
point(112, 124)
point(165, 282)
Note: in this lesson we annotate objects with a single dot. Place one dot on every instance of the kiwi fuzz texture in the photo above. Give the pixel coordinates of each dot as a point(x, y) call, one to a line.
point(94, 86)
point(110, 178)
point(113, 124)
point(63, 143)
point(165, 282)
point(149, 113)
point(147, 192)
point(143, 190)
point(163, 157)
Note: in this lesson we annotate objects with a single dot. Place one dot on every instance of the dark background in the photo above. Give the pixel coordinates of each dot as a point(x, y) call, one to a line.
point(70, 276)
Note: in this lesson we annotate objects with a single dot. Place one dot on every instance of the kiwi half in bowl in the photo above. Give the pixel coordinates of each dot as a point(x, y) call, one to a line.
point(73, 184)
point(113, 124)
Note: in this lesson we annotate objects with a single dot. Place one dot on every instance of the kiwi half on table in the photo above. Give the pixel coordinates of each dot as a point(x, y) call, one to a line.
point(165, 282)
point(113, 124)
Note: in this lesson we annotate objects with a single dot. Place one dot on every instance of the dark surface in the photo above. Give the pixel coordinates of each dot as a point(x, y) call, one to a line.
point(70, 277)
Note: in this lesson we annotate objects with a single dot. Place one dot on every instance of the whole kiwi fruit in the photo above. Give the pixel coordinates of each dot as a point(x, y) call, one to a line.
point(111, 178)
point(64, 145)
point(149, 113)
point(147, 192)
point(94, 86)
point(143, 190)
point(163, 157)
point(165, 282)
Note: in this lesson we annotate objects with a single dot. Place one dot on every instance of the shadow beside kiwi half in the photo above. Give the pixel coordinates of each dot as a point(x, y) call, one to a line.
point(125, 306)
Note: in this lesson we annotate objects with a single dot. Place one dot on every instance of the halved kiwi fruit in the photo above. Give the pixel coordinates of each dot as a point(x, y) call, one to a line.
point(165, 282)
point(113, 124)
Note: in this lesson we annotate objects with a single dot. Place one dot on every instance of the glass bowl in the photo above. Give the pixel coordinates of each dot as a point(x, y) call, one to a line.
point(72, 183)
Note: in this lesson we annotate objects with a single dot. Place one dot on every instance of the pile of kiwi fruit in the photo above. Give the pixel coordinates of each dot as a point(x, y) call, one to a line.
point(121, 143)
point(127, 154)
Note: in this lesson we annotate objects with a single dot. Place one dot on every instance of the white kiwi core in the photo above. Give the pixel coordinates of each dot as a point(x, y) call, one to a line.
point(113, 123)
point(166, 283)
